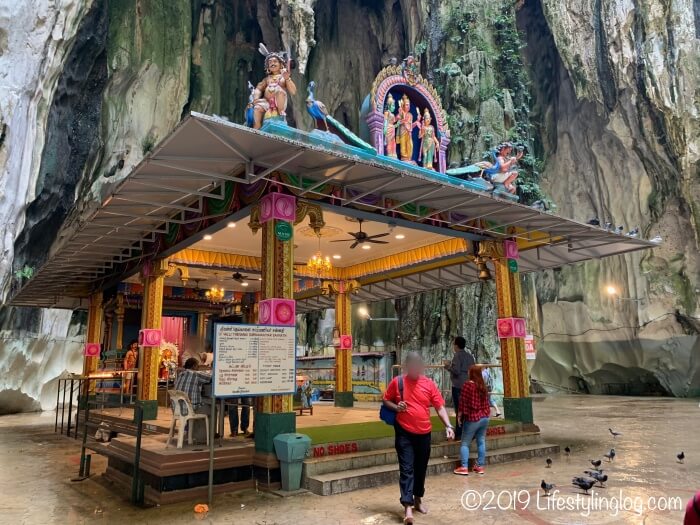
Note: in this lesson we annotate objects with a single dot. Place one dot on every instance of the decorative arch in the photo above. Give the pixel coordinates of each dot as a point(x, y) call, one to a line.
point(404, 79)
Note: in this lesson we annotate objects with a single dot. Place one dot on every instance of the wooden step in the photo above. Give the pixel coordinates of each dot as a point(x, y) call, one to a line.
point(374, 476)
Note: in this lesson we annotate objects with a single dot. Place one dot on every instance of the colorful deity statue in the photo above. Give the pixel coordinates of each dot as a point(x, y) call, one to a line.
point(410, 69)
point(428, 142)
point(271, 94)
point(506, 163)
point(390, 124)
point(406, 125)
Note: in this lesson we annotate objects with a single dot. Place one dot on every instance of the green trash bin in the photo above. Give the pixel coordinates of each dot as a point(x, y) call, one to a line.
point(291, 450)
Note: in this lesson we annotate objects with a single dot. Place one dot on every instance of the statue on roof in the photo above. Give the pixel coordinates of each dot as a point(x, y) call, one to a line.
point(271, 94)
point(410, 69)
point(428, 142)
point(390, 124)
point(406, 125)
point(501, 172)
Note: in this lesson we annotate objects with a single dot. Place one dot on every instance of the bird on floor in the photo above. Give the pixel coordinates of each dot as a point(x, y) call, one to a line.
point(610, 455)
point(546, 487)
point(549, 463)
point(583, 483)
point(598, 476)
point(567, 450)
point(680, 457)
point(596, 462)
point(613, 433)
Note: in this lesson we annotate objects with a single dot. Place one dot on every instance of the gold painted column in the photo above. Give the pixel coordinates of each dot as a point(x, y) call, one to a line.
point(119, 312)
point(202, 322)
point(149, 356)
point(343, 395)
point(93, 334)
point(517, 403)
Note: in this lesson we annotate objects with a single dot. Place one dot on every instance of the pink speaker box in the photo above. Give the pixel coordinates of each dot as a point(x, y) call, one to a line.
point(278, 206)
point(277, 312)
point(92, 350)
point(511, 250)
point(346, 342)
point(150, 337)
point(511, 327)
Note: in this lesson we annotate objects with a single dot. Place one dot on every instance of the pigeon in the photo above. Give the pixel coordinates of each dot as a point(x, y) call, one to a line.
point(680, 457)
point(594, 221)
point(549, 463)
point(614, 434)
point(620, 230)
point(596, 462)
point(657, 239)
point(608, 226)
point(584, 484)
point(634, 232)
point(610, 455)
point(567, 450)
point(598, 476)
point(546, 487)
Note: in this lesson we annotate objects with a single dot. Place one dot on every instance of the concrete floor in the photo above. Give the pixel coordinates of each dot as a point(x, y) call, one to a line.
point(37, 467)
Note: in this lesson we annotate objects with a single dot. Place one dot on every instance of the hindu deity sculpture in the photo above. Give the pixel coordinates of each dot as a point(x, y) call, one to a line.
point(506, 163)
point(428, 142)
point(270, 95)
point(390, 124)
point(406, 125)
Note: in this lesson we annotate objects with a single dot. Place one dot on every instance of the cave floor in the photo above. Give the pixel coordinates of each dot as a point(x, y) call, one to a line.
point(37, 466)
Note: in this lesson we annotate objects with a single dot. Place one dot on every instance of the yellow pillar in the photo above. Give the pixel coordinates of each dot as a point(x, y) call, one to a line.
point(149, 357)
point(517, 403)
point(343, 356)
point(93, 334)
point(119, 311)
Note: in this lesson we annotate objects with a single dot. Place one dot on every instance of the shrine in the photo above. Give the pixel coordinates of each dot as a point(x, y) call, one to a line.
point(260, 222)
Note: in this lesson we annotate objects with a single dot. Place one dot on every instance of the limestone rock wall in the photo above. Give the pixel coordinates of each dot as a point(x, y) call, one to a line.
point(602, 92)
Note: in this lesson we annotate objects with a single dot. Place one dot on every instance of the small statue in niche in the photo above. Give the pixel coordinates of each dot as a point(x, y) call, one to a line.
point(410, 69)
point(390, 124)
point(428, 142)
point(271, 94)
point(406, 125)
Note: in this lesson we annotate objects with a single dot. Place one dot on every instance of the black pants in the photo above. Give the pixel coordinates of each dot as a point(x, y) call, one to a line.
point(414, 452)
point(455, 401)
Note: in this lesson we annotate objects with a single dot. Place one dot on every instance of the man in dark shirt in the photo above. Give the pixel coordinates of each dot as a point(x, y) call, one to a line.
point(462, 361)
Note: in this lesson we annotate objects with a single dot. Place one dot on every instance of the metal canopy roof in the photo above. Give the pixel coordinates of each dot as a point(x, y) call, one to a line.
point(203, 152)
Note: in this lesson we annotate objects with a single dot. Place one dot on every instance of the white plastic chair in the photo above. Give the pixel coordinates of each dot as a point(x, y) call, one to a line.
point(180, 400)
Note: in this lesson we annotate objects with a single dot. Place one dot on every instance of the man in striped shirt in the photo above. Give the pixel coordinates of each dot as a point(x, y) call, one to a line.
point(190, 381)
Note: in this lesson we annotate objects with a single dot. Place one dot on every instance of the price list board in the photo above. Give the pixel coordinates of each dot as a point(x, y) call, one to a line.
point(252, 360)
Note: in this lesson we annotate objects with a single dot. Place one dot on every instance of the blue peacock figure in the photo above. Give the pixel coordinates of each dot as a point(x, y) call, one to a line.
point(316, 108)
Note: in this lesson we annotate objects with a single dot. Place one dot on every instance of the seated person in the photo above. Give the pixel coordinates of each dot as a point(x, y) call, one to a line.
point(190, 381)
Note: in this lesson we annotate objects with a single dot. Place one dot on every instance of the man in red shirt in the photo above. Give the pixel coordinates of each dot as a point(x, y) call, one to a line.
point(413, 429)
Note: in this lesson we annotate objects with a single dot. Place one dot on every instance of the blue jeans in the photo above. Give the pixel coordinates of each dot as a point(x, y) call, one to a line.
point(471, 430)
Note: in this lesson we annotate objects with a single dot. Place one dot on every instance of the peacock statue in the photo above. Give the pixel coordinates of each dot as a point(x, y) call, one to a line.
point(316, 108)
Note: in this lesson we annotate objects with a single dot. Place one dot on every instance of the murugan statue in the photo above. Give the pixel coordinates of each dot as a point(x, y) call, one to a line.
point(390, 124)
point(428, 142)
point(406, 125)
point(271, 94)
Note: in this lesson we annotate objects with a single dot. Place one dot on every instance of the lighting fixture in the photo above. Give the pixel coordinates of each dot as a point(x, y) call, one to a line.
point(611, 290)
point(244, 283)
point(231, 225)
point(215, 294)
point(399, 236)
point(207, 237)
point(336, 257)
point(366, 247)
point(318, 263)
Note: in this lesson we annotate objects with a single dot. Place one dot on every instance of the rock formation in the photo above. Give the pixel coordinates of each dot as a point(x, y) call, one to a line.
point(603, 93)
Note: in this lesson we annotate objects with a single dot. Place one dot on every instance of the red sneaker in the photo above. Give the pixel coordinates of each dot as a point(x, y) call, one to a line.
point(478, 470)
point(461, 471)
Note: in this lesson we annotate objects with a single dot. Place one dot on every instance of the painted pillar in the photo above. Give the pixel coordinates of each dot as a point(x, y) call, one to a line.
point(119, 311)
point(343, 351)
point(274, 414)
point(149, 356)
point(202, 324)
point(517, 403)
point(93, 334)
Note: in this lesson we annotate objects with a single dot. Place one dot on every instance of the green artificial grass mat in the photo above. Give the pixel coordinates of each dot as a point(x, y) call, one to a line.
point(370, 430)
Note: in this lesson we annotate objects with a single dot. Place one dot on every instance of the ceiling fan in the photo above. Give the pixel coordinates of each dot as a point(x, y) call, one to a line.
point(240, 278)
point(362, 237)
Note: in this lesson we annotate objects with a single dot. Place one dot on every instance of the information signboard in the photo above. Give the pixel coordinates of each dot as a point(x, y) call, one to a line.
point(252, 360)
point(530, 350)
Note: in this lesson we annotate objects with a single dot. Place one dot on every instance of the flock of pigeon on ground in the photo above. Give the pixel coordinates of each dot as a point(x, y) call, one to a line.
point(595, 474)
